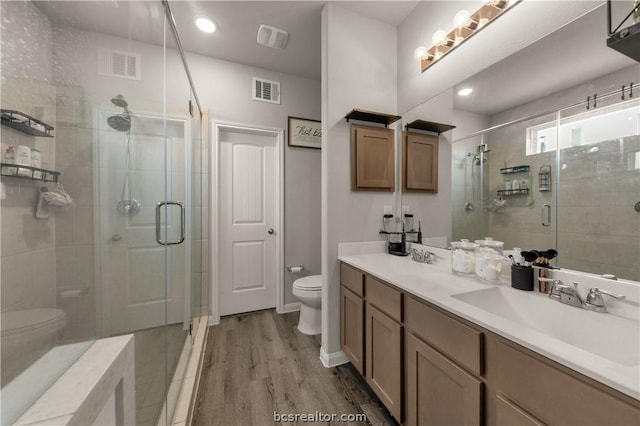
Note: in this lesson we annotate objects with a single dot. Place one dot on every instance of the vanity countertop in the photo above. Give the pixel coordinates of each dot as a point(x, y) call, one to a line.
point(435, 283)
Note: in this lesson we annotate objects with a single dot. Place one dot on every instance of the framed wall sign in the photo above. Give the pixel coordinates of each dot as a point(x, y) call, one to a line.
point(305, 133)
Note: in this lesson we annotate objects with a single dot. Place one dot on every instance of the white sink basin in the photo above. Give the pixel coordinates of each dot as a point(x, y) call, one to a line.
point(609, 336)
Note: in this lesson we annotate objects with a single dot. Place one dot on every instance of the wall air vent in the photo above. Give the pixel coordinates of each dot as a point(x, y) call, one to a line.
point(266, 91)
point(272, 37)
point(117, 63)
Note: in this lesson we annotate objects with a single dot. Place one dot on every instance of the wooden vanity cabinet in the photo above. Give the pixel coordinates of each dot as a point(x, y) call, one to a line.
point(534, 390)
point(431, 367)
point(352, 315)
point(384, 342)
point(443, 364)
point(372, 158)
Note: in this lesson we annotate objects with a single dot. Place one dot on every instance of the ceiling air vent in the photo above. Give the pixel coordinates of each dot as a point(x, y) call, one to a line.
point(272, 37)
point(116, 63)
point(266, 91)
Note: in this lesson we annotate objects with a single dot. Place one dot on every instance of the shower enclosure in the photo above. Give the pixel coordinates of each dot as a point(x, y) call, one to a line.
point(115, 117)
point(568, 179)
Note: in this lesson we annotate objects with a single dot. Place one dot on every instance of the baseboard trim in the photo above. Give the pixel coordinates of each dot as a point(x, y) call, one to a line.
point(213, 321)
point(291, 307)
point(333, 359)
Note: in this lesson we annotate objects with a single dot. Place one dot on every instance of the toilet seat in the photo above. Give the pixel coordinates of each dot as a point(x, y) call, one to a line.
point(309, 283)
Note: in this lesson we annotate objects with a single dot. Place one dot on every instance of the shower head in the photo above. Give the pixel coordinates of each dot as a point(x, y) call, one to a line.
point(119, 101)
point(120, 122)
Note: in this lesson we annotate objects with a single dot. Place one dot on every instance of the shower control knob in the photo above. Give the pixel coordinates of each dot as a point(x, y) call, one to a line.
point(116, 237)
point(270, 231)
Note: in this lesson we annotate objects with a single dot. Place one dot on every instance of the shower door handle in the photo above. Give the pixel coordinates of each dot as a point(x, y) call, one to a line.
point(546, 215)
point(158, 233)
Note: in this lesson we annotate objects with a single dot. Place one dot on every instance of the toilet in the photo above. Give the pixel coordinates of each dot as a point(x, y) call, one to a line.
point(309, 291)
point(26, 336)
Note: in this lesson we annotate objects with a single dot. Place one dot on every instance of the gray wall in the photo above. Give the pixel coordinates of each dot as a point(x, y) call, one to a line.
point(225, 89)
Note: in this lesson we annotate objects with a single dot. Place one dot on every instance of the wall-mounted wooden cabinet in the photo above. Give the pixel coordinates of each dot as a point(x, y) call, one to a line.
point(372, 158)
point(419, 162)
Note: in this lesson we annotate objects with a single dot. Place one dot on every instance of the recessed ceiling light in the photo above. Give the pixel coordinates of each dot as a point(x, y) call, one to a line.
point(465, 92)
point(204, 24)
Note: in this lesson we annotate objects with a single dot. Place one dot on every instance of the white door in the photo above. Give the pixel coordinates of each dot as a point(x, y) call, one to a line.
point(249, 205)
point(132, 278)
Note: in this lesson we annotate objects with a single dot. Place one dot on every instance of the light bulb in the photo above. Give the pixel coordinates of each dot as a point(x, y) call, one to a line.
point(465, 92)
point(461, 19)
point(439, 38)
point(419, 52)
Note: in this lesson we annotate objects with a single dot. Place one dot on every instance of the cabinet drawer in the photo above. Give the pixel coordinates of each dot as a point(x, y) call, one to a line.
point(555, 396)
point(457, 340)
point(384, 297)
point(352, 279)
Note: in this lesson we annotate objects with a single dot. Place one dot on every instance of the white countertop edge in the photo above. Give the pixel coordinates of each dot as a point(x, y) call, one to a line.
point(616, 376)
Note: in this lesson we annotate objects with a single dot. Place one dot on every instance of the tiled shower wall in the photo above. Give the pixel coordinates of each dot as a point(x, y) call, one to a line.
point(28, 244)
point(597, 228)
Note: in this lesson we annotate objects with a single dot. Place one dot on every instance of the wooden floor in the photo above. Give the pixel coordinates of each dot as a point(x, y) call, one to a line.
point(258, 363)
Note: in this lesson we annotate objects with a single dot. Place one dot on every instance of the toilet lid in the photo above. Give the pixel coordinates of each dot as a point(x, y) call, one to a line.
point(312, 282)
point(28, 319)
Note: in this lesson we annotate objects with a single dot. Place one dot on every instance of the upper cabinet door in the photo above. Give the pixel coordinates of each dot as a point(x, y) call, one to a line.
point(372, 159)
point(420, 162)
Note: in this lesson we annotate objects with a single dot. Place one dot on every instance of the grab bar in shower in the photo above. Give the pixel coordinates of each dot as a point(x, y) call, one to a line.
point(158, 233)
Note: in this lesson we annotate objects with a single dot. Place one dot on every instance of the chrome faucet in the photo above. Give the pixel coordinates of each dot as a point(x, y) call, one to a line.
point(595, 302)
point(569, 295)
point(566, 294)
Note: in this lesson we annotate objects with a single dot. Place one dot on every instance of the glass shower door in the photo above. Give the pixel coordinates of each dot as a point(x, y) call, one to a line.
point(599, 187)
point(135, 226)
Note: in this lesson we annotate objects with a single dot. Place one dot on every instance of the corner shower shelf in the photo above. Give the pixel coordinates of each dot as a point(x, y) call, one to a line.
point(372, 116)
point(25, 123)
point(429, 126)
point(511, 192)
point(514, 169)
point(27, 172)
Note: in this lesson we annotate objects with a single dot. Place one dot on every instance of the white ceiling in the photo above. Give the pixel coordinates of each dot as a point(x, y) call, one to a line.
point(561, 60)
point(237, 21)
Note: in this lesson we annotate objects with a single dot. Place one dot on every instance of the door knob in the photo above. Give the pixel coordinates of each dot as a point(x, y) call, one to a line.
point(270, 231)
point(116, 237)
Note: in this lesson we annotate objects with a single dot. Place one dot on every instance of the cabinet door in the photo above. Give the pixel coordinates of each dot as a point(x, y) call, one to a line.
point(420, 162)
point(439, 392)
point(352, 327)
point(384, 359)
point(372, 158)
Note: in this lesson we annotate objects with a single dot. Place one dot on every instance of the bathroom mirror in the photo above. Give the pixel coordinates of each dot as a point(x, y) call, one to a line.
point(520, 189)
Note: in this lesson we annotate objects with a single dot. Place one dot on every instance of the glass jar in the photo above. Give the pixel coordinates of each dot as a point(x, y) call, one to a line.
point(462, 257)
point(488, 264)
point(490, 243)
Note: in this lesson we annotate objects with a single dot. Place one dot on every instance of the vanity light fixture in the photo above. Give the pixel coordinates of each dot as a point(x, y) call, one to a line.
point(465, 25)
point(465, 92)
point(204, 23)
